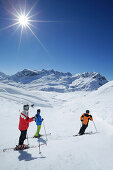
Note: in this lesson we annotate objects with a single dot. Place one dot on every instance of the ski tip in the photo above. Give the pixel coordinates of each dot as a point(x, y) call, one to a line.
point(76, 135)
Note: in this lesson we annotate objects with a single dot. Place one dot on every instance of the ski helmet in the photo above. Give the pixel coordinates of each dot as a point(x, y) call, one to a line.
point(38, 110)
point(26, 107)
point(87, 111)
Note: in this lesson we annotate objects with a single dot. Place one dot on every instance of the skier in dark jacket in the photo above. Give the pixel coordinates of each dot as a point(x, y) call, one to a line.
point(85, 120)
point(38, 121)
point(23, 126)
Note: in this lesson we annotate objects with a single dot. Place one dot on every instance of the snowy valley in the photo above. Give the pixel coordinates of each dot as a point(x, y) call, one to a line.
point(62, 98)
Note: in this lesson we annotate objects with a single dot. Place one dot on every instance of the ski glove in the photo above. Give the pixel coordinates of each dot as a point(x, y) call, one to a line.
point(34, 118)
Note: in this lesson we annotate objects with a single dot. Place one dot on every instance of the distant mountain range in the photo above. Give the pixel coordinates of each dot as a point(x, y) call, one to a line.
point(50, 80)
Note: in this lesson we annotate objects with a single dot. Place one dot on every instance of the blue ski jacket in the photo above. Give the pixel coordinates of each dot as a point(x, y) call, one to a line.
point(38, 120)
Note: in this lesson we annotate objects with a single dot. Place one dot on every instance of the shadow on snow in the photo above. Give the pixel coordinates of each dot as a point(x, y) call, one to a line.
point(24, 155)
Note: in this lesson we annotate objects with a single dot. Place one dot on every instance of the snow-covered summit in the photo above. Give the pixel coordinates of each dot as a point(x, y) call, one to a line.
point(87, 81)
point(3, 76)
point(27, 76)
point(51, 80)
point(27, 72)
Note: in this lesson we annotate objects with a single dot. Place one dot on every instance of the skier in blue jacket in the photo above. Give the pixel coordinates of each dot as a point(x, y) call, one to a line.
point(38, 121)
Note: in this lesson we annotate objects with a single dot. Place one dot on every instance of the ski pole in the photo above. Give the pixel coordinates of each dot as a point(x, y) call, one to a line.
point(45, 131)
point(27, 140)
point(38, 140)
point(39, 145)
point(94, 125)
point(80, 127)
point(80, 124)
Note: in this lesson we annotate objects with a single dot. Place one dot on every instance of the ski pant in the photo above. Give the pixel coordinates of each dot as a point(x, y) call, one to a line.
point(82, 129)
point(22, 137)
point(38, 130)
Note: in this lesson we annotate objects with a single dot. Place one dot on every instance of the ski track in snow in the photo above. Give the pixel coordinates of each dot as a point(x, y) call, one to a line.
point(61, 113)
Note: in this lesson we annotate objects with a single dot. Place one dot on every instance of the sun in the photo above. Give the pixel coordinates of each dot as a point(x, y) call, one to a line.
point(23, 20)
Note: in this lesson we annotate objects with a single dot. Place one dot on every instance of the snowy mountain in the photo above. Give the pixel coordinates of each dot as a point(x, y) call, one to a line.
point(50, 80)
point(88, 81)
point(3, 76)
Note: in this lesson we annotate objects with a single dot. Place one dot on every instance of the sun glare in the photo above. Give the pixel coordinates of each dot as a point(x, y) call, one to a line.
point(23, 20)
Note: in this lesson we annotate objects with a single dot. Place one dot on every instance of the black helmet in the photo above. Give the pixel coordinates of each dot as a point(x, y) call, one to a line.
point(26, 107)
point(87, 111)
point(38, 110)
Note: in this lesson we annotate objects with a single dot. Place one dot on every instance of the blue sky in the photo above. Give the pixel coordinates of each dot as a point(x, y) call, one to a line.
point(81, 39)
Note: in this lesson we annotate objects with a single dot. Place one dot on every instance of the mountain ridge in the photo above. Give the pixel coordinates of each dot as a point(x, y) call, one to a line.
point(51, 80)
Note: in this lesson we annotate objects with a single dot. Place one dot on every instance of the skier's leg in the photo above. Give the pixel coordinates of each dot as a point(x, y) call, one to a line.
point(22, 137)
point(38, 130)
point(83, 129)
point(85, 126)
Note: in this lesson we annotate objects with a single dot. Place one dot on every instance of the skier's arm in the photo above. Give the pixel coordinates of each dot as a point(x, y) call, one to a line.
point(91, 118)
point(40, 119)
point(30, 119)
point(81, 118)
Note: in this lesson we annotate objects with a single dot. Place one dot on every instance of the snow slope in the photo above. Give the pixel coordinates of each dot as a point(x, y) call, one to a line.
point(61, 113)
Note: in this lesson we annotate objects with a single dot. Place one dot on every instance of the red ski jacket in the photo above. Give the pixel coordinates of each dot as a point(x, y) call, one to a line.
point(24, 121)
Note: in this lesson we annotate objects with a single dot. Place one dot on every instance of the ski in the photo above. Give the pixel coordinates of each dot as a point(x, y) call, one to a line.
point(28, 147)
point(76, 135)
point(86, 133)
point(48, 134)
point(90, 133)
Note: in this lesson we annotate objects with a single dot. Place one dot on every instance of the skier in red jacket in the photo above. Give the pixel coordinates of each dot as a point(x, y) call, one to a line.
point(23, 126)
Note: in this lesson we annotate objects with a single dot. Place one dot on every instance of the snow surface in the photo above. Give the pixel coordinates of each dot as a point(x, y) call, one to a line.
point(61, 113)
